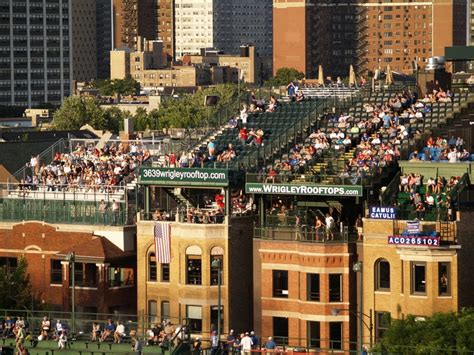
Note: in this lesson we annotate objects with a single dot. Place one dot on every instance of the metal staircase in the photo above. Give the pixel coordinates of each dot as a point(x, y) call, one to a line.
point(180, 197)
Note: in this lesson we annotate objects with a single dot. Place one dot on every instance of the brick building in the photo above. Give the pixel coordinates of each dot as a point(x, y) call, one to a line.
point(368, 35)
point(188, 287)
point(104, 273)
point(297, 287)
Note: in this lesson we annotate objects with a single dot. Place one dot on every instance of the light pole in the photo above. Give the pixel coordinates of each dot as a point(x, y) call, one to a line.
point(71, 257)
point(216, 263)
point(357, 268)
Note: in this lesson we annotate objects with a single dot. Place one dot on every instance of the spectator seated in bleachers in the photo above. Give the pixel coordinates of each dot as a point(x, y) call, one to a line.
point(440, 149)
point(87, 168)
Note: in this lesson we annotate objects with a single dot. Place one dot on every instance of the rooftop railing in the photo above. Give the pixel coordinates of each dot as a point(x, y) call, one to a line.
point(19, 202)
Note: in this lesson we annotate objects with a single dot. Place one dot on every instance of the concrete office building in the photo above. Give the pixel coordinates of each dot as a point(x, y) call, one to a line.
point(367, 34)
point(104, 36)
point(35, 52)
point(84, 34)
point(225, 25)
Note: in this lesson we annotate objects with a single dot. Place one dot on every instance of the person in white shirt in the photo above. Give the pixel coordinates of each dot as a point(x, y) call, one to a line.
point(453, 156)
point(119, 332)
point(329, 221)
point(62, 340)
point(246, 344)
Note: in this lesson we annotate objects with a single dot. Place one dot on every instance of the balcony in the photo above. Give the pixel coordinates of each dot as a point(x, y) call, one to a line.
point(20, 202)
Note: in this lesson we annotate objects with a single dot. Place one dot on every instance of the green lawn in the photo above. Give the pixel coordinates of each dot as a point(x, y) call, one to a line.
point(81, 348)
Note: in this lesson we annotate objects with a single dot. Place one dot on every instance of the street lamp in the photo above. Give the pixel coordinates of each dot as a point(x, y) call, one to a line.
point(357, 268)
point(216, 263)
point(71, 258)
point(360, 315)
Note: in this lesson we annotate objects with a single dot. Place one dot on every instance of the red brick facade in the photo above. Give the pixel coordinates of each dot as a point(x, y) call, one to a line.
point(301, 259)
point(39, 243)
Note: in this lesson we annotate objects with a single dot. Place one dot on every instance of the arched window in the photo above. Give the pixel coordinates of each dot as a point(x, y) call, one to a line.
point(382, 275)
point(193, 265)
point(152, 267)
point(217, 263)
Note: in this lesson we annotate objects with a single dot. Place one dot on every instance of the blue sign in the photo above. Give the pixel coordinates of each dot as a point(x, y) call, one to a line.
point(414, 240)
point(379, 212)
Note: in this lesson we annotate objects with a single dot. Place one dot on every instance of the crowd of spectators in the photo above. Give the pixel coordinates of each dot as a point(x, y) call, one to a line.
point(434, 195)
point(86, 168)
point(440, 149)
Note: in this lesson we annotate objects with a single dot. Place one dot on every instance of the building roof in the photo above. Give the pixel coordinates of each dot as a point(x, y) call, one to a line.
point(99, 248)
point(33, 136)
point(4, 174)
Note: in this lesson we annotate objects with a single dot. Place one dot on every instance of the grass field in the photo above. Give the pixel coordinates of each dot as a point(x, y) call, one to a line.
point(81, 348)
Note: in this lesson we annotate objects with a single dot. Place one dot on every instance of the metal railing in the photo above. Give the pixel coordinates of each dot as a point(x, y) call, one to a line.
point(46, 156)
point(20, 202)
point(305, 233)
point(284, 177)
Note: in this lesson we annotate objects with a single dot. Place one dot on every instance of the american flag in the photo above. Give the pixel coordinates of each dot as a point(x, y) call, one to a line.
point(162, 242)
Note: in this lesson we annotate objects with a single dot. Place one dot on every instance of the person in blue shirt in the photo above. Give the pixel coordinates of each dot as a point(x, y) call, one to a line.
point(108, 329)
point(270, 344)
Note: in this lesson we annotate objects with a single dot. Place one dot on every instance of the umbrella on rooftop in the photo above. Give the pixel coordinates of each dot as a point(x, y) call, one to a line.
point(320, 75)
point(389, 76)
point(352, 76)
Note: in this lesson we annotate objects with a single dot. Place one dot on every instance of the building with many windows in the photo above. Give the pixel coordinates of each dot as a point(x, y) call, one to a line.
point(189, 286)
point(35, 52)
point(225, 25)
point(367, 34)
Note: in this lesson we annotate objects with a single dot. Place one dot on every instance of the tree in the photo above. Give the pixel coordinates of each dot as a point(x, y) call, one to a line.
point(110, 87)
point(443, 333)
point(284, 76)
point(15, 287)
point(77, 111)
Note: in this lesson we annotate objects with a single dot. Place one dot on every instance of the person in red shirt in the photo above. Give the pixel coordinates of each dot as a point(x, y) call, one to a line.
point(243, 135)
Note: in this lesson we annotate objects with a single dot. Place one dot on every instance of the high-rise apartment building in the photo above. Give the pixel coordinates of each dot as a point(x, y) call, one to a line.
point(165, 21)
point(35, 52)
point(133, 19)
point(224, 24)
point(367, 34)
point(84, 44)
point(104, 36)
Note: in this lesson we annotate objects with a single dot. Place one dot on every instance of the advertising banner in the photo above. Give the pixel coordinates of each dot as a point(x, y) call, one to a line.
point(303, 189)
point(380, 212)
point(414, 240)
point(184, 177)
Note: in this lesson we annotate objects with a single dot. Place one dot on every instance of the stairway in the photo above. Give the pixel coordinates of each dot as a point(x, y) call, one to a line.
point(177, 194)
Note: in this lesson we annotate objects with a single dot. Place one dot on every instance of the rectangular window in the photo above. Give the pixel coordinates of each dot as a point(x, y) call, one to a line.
point(444, 277)
point(216, 263)
point(56, 272)
point(9, 263)
point(152, 312)
point(402, 288)
point(335, 287)
point(314, 334)
point(313, 287)
point(382, 275)
point(215, 316)
point(194, 270)
point(165, 272)
point(280, 283)
point(280, 330)
point(194, 314)
point(152, 268)
point(165, 310)
point(418, 278)
point(382, 322)
point(335, 335)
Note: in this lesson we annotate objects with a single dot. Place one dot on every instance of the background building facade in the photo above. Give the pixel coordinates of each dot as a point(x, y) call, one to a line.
point(367, 34)
point(35, 52)
point(224, 25)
